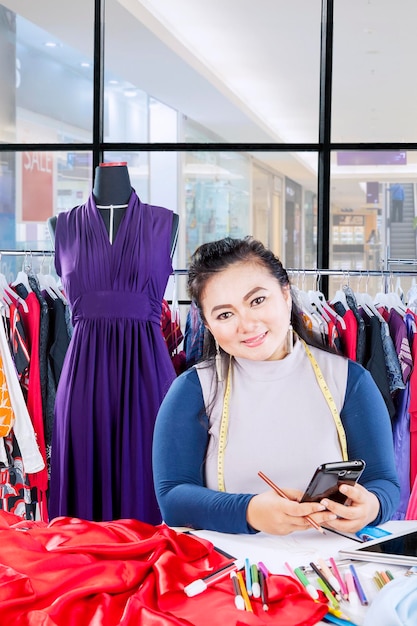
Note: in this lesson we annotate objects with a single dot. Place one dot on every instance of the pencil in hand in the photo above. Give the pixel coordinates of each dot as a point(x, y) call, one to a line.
point(281, 493)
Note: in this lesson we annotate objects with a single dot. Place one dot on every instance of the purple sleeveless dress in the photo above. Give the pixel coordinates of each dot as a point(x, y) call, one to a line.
point(117, 368)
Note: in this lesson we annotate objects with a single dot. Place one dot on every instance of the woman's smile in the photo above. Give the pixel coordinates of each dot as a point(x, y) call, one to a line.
point(253, 342)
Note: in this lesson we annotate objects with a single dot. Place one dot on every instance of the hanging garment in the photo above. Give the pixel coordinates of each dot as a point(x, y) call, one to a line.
point(392, 362)
point(193, 336)
point(58, 341)
point(31, 321)
point(400, 338)
point(59, 338)
point(15, 493)
point(361, 338)
point(401, 432)
point(6, 411)
point(412, 407)
point(117, 368)
point(19, 452)
point(171, 330)
point(374, 358)
point(348, 334)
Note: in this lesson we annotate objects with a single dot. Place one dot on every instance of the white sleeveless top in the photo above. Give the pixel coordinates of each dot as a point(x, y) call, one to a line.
point(279, 420)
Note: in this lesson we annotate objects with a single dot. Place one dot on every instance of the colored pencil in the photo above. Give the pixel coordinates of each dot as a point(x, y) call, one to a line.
point(359, 590)
point(281, 493)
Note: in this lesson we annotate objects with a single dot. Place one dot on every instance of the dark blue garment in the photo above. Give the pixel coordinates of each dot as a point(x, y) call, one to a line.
point(193, 336)
point(374, 359)
point(392, 363)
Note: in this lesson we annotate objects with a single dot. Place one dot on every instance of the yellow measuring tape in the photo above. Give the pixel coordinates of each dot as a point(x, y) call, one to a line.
point(224, 424)
point(330, 401)
point(224, 427)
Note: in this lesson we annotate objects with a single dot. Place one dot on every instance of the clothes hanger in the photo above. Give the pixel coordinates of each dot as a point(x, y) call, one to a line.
point(318, 299)
point(314, 298)
point(340, 296)
point(412, 296)
point(303, 302)
point(315, 317)
point(9, 295)
point(5, 290)
point(50, 284)
point(365, 300)
point(22, 277)
point(390, 300)
point(55, 288)
point(43, 282)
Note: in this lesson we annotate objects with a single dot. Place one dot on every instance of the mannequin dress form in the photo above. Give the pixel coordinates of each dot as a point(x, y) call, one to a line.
point(114, 264)
point(111, 191)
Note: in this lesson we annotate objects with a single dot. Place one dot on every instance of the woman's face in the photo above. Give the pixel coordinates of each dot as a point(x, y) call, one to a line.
point(248, 312)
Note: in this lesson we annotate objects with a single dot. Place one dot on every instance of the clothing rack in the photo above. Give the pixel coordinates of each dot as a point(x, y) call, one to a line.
point(26, 252)
point(339, 272)
point(294, 271)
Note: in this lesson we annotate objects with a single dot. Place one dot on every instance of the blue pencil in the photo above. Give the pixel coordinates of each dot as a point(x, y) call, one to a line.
point(248, 577)
point(359, 590)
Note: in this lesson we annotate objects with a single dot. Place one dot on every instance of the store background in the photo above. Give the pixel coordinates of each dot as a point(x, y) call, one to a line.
point(285, 120)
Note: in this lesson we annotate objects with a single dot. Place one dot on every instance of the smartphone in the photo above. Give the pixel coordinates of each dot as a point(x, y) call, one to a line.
point(328, 477)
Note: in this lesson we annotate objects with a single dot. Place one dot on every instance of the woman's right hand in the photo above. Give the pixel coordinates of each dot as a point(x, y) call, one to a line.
point(270, 513)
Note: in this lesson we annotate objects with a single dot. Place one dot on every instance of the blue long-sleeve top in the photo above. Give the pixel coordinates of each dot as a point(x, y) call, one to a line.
point(180, 446)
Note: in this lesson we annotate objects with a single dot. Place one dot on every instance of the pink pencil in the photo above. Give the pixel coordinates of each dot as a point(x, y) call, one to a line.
point(338, 575)
point(290, 569)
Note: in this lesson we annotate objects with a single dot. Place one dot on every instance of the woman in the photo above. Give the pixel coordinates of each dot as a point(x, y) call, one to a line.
point(255, 404)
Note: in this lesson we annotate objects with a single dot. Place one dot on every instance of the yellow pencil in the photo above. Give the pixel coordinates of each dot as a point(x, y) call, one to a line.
point(337, 613)
point(244, 592)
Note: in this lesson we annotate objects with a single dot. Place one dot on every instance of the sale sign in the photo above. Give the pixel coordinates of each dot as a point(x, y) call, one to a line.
point(37, 186)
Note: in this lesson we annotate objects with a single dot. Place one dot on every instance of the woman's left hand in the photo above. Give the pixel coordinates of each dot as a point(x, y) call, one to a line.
point(362, 510)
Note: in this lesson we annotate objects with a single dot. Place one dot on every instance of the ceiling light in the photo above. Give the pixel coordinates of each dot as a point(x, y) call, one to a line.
point(130, 93)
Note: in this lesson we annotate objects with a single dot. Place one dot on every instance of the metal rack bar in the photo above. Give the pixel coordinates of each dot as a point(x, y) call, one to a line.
point(290, 270)
point(26, 252)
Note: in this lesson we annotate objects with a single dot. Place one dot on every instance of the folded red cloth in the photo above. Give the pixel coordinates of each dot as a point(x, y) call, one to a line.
point(73, 572)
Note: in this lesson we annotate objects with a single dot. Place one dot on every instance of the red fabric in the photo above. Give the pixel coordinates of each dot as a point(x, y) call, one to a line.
point(348, 335)
point(72, 572)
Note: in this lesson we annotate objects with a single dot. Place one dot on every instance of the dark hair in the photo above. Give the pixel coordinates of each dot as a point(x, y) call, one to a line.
point(214, 257)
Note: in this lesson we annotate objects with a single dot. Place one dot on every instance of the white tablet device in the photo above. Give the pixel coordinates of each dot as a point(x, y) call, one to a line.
point(398, 548)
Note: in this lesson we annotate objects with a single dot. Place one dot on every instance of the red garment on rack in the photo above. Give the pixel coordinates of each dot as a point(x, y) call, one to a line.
point(31, 323)
point(80, 573)
point(412, 409)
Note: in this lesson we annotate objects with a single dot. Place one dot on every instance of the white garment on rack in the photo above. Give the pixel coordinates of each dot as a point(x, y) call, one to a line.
point(22, 427)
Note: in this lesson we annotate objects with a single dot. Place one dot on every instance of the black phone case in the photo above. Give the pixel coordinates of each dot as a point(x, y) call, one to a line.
point(328, 477)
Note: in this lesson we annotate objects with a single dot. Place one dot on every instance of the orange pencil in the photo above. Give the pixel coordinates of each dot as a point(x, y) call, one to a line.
point(284, 495)
point(244, 592)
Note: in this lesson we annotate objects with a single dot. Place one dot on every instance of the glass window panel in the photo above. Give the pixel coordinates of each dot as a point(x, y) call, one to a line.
point(34, 186)
point(233, 67)
point(373, 211)
point(374, 91)
point(46, 72)
point(270, 195)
